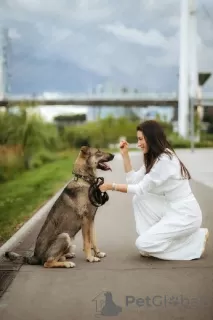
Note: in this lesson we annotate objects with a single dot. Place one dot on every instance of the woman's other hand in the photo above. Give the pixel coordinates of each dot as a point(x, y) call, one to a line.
point(104, 187)
point(124, 147)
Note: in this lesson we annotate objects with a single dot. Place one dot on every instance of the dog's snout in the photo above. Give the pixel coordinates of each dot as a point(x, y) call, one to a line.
point(111, 156)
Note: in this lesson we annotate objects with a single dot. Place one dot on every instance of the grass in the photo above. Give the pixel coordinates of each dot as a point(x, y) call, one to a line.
point(21, 197)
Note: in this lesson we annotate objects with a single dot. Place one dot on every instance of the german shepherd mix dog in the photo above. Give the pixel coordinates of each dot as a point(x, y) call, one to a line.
point(74, 210)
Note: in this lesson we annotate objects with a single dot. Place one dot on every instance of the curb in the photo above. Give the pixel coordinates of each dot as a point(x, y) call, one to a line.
point(19, 236)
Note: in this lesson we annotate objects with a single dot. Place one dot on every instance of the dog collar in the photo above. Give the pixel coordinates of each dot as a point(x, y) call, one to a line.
point(89, 179)
point(97, 198)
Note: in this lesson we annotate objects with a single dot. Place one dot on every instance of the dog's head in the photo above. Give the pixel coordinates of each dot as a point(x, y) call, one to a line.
point(95, 158)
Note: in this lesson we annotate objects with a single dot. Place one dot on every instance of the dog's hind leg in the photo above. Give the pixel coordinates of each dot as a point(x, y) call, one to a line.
point(96, 250)
point(71, 252)
point(57, 251)
point(86, 232)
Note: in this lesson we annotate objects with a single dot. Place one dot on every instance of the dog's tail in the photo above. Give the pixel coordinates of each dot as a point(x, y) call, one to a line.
point(13, 256)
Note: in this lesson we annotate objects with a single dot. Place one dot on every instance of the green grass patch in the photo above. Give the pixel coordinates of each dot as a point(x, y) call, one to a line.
point(20, 198)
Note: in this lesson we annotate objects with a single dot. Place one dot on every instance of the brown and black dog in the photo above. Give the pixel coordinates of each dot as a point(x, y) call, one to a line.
point(72, 211)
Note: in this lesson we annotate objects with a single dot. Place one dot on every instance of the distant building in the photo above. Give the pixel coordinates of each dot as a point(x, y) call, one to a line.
point(69, 120)
point(162, 113)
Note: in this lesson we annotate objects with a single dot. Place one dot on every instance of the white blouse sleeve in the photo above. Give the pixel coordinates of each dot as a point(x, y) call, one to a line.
point(162, 170)
point(135, 176)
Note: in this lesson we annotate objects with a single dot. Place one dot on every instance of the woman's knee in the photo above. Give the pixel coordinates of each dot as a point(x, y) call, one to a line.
point(140, 242)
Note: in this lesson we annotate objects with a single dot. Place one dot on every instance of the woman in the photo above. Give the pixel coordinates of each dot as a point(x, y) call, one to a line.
point(167, 215)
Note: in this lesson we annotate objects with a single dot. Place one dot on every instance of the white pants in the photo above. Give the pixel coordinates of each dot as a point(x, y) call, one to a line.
point(169, 230)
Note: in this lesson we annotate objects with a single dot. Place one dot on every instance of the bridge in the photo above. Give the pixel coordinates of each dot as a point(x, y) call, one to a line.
point(191, 82)
point(104, 99)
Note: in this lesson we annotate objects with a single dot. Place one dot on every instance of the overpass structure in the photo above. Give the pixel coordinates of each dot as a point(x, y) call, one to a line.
point(105, 99)
point(189, 92)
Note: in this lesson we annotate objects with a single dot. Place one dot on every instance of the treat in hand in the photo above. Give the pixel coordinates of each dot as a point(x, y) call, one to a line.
point(123, 143)
point(124, 147)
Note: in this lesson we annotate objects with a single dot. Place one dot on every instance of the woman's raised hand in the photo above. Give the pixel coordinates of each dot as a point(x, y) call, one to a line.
point(124, 147)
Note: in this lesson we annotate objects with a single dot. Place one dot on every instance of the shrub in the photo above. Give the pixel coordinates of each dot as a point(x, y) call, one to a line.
point(11, 161)
point(42, 157)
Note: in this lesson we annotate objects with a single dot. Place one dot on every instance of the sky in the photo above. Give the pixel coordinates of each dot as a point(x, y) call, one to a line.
point(70, 46)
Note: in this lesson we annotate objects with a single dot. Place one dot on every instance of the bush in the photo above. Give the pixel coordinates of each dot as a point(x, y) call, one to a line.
point(101, 133)
point(204, 144)
point(178, 142)
point(42, 157)
point(181, 144)
point(30, 134)
point(210, 128)
point(11, 161)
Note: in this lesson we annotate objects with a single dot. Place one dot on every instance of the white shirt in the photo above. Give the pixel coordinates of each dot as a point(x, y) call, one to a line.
point(164, 179)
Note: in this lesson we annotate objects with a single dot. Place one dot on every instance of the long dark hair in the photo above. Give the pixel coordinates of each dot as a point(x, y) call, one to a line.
point(157, 144)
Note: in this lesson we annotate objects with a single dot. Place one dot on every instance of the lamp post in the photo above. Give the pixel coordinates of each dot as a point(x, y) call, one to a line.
point(183, 99)
point(193, 70)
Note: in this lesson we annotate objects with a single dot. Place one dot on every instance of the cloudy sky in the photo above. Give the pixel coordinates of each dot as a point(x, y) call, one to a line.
point(72, 45)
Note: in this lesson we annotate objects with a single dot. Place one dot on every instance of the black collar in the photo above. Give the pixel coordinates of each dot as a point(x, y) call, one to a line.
point(89, 179)
point(97, 198)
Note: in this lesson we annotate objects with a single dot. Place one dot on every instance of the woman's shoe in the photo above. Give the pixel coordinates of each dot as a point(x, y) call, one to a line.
point(144, 254)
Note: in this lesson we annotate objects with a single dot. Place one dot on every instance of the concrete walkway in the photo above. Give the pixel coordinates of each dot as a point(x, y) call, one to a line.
point(141, 288)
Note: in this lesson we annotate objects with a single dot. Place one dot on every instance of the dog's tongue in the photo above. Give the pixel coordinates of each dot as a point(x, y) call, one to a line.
point(107, 167)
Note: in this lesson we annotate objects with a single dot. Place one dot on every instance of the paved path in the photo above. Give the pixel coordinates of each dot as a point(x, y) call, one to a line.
point(200, 163)
point(143, 288)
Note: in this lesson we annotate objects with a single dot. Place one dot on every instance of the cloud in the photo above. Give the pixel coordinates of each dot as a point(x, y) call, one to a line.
point(13, 34)
point(72, 45)
point(152, 38)
point(63, 11)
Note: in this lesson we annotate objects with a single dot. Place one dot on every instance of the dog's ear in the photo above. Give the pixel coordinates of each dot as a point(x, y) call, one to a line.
point(85, 149)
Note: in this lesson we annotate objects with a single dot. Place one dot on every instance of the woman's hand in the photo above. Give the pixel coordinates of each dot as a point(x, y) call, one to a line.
point(124, 147)
point(104, 187)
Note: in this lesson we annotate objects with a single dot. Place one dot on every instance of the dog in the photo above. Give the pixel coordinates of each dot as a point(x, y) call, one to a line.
point(74, 210)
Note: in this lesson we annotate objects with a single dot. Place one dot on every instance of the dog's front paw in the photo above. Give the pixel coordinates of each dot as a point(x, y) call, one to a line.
point(69, 264)
point(100, 254)
point(93, 259)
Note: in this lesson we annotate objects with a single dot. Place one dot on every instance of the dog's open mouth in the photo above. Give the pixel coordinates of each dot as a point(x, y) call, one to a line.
point(103, 166)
